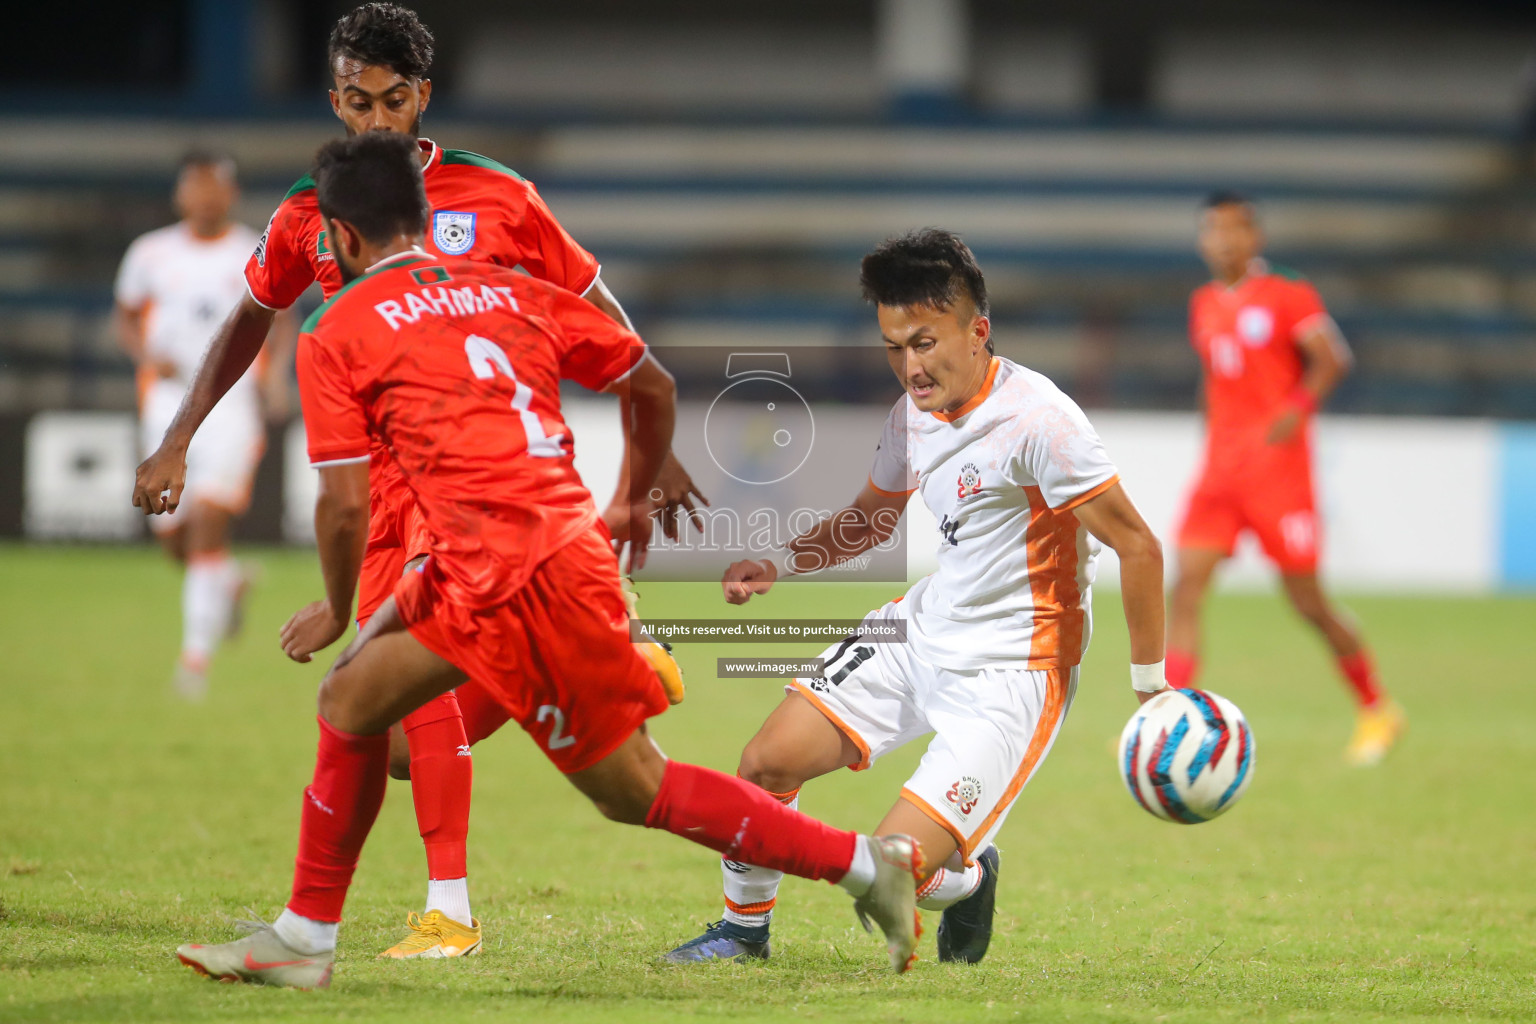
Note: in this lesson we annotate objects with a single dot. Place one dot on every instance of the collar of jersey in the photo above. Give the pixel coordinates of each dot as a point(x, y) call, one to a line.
point(436, 157)
point(976, 399)
point(398, 259)
point(1257, 268)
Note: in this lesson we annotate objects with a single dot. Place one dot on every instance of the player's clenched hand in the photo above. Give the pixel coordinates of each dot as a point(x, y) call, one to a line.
point(1285, 426)
point(312, 628)
point(159, 481)
point(747, 577)
point(678, 492)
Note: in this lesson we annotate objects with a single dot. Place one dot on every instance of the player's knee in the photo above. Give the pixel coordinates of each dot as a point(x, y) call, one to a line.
point(1310, 606)
point(341, 707)
point(1187, 591)
point(626, 807)
point(760, 767)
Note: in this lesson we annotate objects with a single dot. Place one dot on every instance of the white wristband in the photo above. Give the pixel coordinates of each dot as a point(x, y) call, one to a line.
point(1148, 678)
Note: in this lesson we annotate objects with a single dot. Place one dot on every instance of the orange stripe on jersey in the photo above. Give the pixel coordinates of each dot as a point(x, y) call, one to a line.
point(842, 727)
point(1057, 681)
point(977, 398)
point(889, 494)
point(1051, 542)
point(1090, 494)
point(750, 908)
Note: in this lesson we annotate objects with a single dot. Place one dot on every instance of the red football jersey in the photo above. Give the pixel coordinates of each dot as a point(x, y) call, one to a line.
point(1246, 337)
point(456, 367)
point(480, 211)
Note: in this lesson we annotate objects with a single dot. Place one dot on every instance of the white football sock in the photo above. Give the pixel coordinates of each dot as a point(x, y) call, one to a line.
point(751, 891)
point(207, 600)
point(946, 888)
point(451, 896)
point(304, 935)
point(861, 873)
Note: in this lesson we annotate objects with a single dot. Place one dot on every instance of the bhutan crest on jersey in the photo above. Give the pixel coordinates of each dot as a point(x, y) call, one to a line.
point(969, 482)
point(453, 232)
point(964, 795)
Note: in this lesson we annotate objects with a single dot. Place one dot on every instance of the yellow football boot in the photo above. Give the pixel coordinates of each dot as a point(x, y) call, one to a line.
point(667, 670)
point(1376, 730)
point(434, 936)
point(659, 654)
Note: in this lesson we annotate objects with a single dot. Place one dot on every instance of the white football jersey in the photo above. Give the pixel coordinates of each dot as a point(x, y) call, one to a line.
point(187, 285)
point(1001, 476)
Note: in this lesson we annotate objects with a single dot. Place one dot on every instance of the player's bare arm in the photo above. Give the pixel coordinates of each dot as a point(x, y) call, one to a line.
point(1328, 361)
point(158, 484)
point(865, 523)
point(1117, 524)
point(282, 341)
point(648, 404)
point(341, 533)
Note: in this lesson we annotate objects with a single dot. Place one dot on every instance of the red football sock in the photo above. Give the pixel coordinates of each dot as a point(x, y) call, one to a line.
point(442, 778)
point(1360, 673)
point(340, 805)
point(1180, 668)
point(483, 714)
point(739, 820)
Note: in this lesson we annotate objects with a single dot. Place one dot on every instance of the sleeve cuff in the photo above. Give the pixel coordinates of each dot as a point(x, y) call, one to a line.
point(889, 494)
point(644, 354)
point(345, 460)
point(252, 293)
point(1089, 495)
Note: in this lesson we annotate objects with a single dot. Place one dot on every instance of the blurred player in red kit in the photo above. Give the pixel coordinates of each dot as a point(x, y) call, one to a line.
point(1271, 356)
point(379, 56)
point(456, 367)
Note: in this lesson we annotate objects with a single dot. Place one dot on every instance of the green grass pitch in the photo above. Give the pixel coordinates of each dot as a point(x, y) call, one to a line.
point(130, 822)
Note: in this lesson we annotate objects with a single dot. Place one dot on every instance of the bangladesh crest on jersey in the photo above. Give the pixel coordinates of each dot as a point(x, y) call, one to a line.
point(453, 232)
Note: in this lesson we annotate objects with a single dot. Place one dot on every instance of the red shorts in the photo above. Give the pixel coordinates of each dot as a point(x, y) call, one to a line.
point(1278, 508)
point(397, 533)
point(557, 655)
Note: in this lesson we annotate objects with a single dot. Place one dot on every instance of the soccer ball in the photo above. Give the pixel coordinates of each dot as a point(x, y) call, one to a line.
point(1187, 756)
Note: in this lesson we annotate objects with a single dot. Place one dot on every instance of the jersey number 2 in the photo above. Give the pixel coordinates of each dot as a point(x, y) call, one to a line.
point(486, 359)
point(556, 741)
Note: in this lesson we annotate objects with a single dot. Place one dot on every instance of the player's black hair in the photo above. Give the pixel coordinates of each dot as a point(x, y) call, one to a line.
point(373, 182)
point(1230, 197)
point(384, 35)
point(207, 158)
point(929, 266)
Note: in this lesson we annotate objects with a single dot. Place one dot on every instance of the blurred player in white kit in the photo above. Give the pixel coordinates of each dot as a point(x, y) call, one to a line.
point(172, 287)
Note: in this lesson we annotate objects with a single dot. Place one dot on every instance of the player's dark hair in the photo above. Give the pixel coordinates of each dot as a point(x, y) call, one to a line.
point(373, 182)
point(207, 158)
point(383, 35)
point(924, 267)
point(1230, 197)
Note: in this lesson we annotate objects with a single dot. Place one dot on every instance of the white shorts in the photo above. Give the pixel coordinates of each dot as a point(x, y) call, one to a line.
point(222, 459)
point(992, 727)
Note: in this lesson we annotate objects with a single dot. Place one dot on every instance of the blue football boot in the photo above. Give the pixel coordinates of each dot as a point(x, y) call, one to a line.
point(723, 940)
